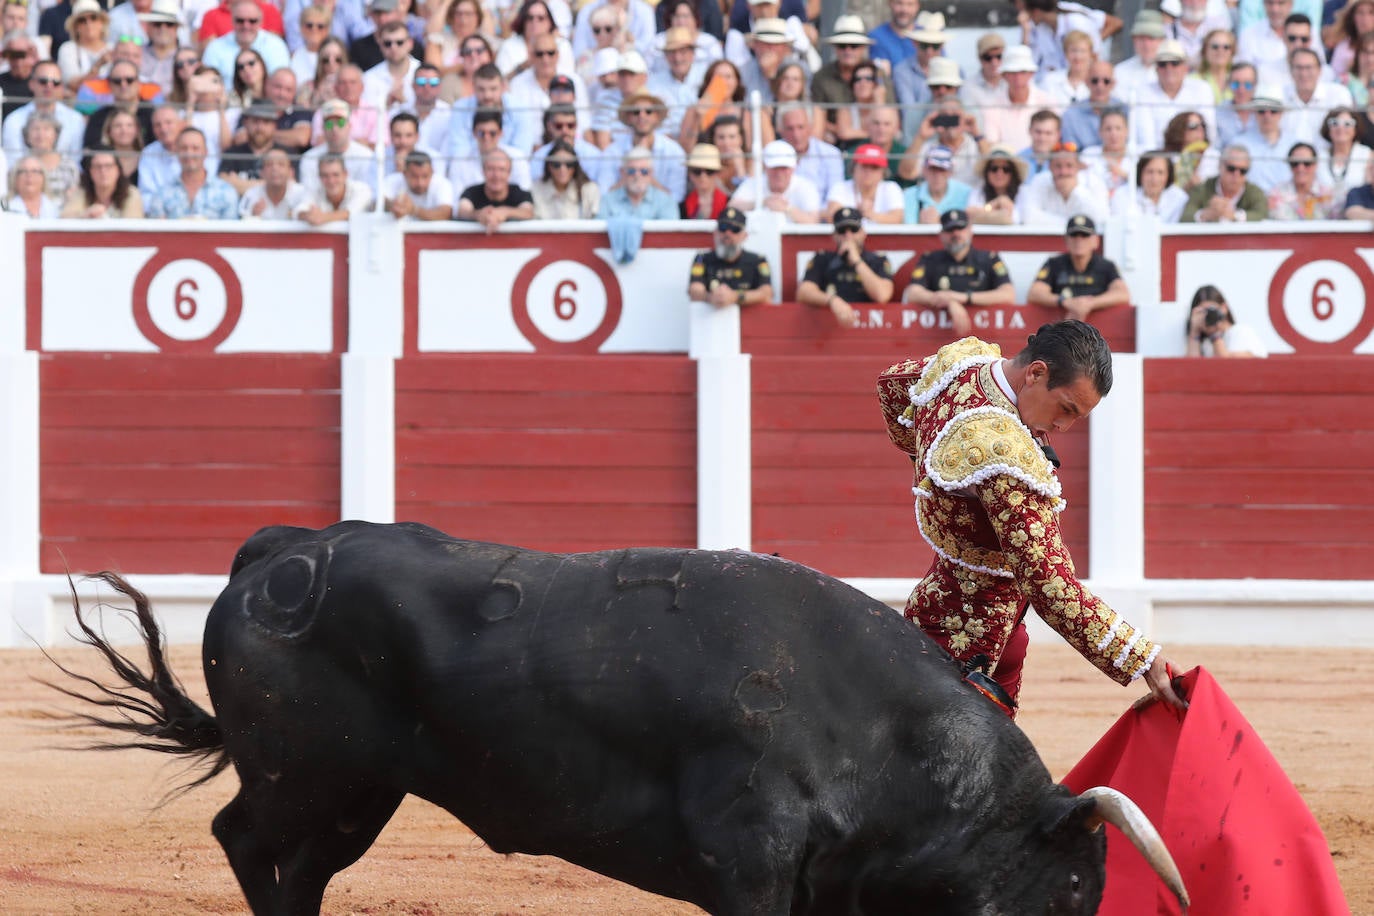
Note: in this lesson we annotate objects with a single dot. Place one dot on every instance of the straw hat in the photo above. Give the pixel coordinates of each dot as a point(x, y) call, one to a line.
point(85, 8)
point(1002, 152)
point(771, 32)
point(1018, 59)
point(930, 29)
point(943, 71)
point(849, 30)
point(704, 156)
point(639, 100)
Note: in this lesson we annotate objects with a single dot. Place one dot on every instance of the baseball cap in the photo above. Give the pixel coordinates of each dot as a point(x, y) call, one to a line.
point(953, 219)
point(606, 61)
point(562, 82)
point(940, 157)
point(1081, 224)
point(870, 154)
point(848, 218)
point(779, 155)
point(732, 219)
point(335, 108)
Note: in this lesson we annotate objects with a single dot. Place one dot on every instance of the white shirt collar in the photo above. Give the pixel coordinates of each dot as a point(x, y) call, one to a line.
point(1000, 378)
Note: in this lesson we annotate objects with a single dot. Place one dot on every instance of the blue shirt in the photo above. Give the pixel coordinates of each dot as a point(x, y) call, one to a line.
point(1082, 122)
point(918, 196)
point(888, 44)
point(216, 199)
point(655, 205)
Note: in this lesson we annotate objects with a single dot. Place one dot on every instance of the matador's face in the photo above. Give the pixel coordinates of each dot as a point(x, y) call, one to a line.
point(1044, 409)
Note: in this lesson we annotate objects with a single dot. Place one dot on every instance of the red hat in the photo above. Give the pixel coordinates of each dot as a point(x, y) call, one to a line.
point(870, 154)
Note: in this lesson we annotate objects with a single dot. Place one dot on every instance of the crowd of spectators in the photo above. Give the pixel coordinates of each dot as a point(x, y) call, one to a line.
point(501, 110)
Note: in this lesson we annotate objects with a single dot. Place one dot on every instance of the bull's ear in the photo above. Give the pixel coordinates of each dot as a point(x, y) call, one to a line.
point(1070, 811)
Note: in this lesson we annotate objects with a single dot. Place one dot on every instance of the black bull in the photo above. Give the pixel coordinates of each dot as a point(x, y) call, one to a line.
point(722, 727)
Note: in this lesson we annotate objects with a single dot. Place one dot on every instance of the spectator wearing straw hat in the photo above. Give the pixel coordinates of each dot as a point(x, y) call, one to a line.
point(162, 21)
point(680, 84)
point(770, 47)
point(869, 192)
point(642, 113)
point(705, 197)
point(831, 86)
point(957, 276)
point(1007, 122)
point(938, 193)
point(781, 190)
point(737, 40)
point(909, 78)
point(1173, 91)
point(890, 42)
point(943, 78)
point(727, 274)
point(837, 279)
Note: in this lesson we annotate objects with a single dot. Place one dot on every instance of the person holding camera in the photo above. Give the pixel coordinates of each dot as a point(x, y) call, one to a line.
point(1212, 330)
point(836, 279)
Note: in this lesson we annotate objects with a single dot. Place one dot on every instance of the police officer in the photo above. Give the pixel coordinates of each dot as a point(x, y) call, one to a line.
point(729, 275)
point(958, 275)
point(835, 279)
point(1080, 281)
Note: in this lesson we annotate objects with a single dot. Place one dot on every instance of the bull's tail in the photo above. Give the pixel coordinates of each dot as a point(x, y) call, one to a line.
point(170, 722)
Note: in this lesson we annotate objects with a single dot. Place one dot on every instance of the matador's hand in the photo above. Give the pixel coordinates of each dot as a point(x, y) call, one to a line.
point(1159, 680)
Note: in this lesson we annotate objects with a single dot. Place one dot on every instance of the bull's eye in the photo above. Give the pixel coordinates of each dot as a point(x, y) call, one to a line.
point(1075, 883)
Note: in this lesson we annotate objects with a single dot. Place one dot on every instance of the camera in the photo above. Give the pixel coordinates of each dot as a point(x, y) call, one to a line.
point(1212, 316)
point(946, 120)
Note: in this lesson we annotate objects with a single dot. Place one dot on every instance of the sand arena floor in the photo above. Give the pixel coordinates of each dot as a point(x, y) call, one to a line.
point(82, 832)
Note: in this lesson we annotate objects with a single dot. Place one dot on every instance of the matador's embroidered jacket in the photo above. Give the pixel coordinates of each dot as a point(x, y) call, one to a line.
point(987, 501)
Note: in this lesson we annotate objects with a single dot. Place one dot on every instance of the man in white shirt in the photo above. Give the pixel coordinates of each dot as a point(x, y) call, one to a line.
point(530, 90)
point(279, 196)
point(1147, 33)
point(417, 193)
point(783, 190)
point(1307, 99)
point(1155, 104)
point(1264, 43)
point(337, 196)
point(389, 84)
point(817, 161)
point(1066, 189)
point(1007, 123)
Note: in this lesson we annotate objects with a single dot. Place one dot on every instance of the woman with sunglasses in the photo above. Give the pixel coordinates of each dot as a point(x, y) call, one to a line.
point(565, 191)
point(475, 53)
point(849, 120)
point(103, 192)
point(1218, 54)
point(1071, 84)
point(1196, 158)
point(993, 201)
point(1303, 197)
point(1155, 191)
point(1342, 163)
point(28, 191)
point(250, 79)
point(536, 17)
point(451, 23)
point(122, 135)
point(331, 58)
point(87, 54)
point(40, 141)
point(315, 24)
point(183, 68)
point(705, 199)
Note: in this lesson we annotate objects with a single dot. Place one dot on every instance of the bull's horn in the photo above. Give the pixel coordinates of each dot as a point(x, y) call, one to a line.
point(1118, 810)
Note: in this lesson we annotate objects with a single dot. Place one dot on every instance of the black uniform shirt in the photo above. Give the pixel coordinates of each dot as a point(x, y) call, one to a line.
point(1058, 272)
point(748, 271)
point(832, 273)
point(977, 272)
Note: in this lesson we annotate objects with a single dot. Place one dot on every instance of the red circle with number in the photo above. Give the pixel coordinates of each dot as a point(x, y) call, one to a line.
point(1323, 304)
point(185, 305)
point(565, 300)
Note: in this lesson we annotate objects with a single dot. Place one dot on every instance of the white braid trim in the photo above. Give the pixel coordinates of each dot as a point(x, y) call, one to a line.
point(908, 423)
point(1001, 573)
point(920, 400)
point(1111, 634)
point(1120, 660)
point(1148, 663)
point(987, 472)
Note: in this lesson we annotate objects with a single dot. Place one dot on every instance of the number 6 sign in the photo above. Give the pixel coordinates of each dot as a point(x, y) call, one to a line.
point(187, 302)
point(1322, 306)
point(567, 305)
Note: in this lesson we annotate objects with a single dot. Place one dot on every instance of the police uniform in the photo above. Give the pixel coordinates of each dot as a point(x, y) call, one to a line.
point(748, 271)
point(831, 272)
point(977, 272)
point(1058, 272)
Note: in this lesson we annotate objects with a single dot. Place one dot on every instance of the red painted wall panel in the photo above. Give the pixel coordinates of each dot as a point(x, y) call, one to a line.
point(1259, 468)
point(164, 464)
point(561, 453)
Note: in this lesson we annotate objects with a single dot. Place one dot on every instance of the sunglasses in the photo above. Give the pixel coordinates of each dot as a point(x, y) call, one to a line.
point(473, 51)
point(1215, 47)
point(122, 80)
point(315, 26)
point(331, 60)
point(643, 111)
point(865, 78)
point(562, 163)
point(1340, 122)
point(640, 171)
point(697, 173)
point(999, 167)
point(847, 230)
point(1168, 63)
point(395, 43)
point(16, 54)
point(133, 40)
point(603, 29)
point(1302, 163)
point(1247, 85)
point(1298, 39)
point(1193, 125)
point(162, 25)
point(546, 53)
point(245, 64)
point(849, 47)
point(332, 123)
point(1101, 80)
point(1242, 169)
point(188, 62)
point(922, 46)
point(989, 58)
point(238, 21)
point(46, 80)
point(427, 81)
point(563, 125)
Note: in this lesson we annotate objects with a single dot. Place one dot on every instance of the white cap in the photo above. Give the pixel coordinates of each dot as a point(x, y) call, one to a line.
point(632, 61)
point(606, 61)
point(779, 154)
point(1017, 59)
